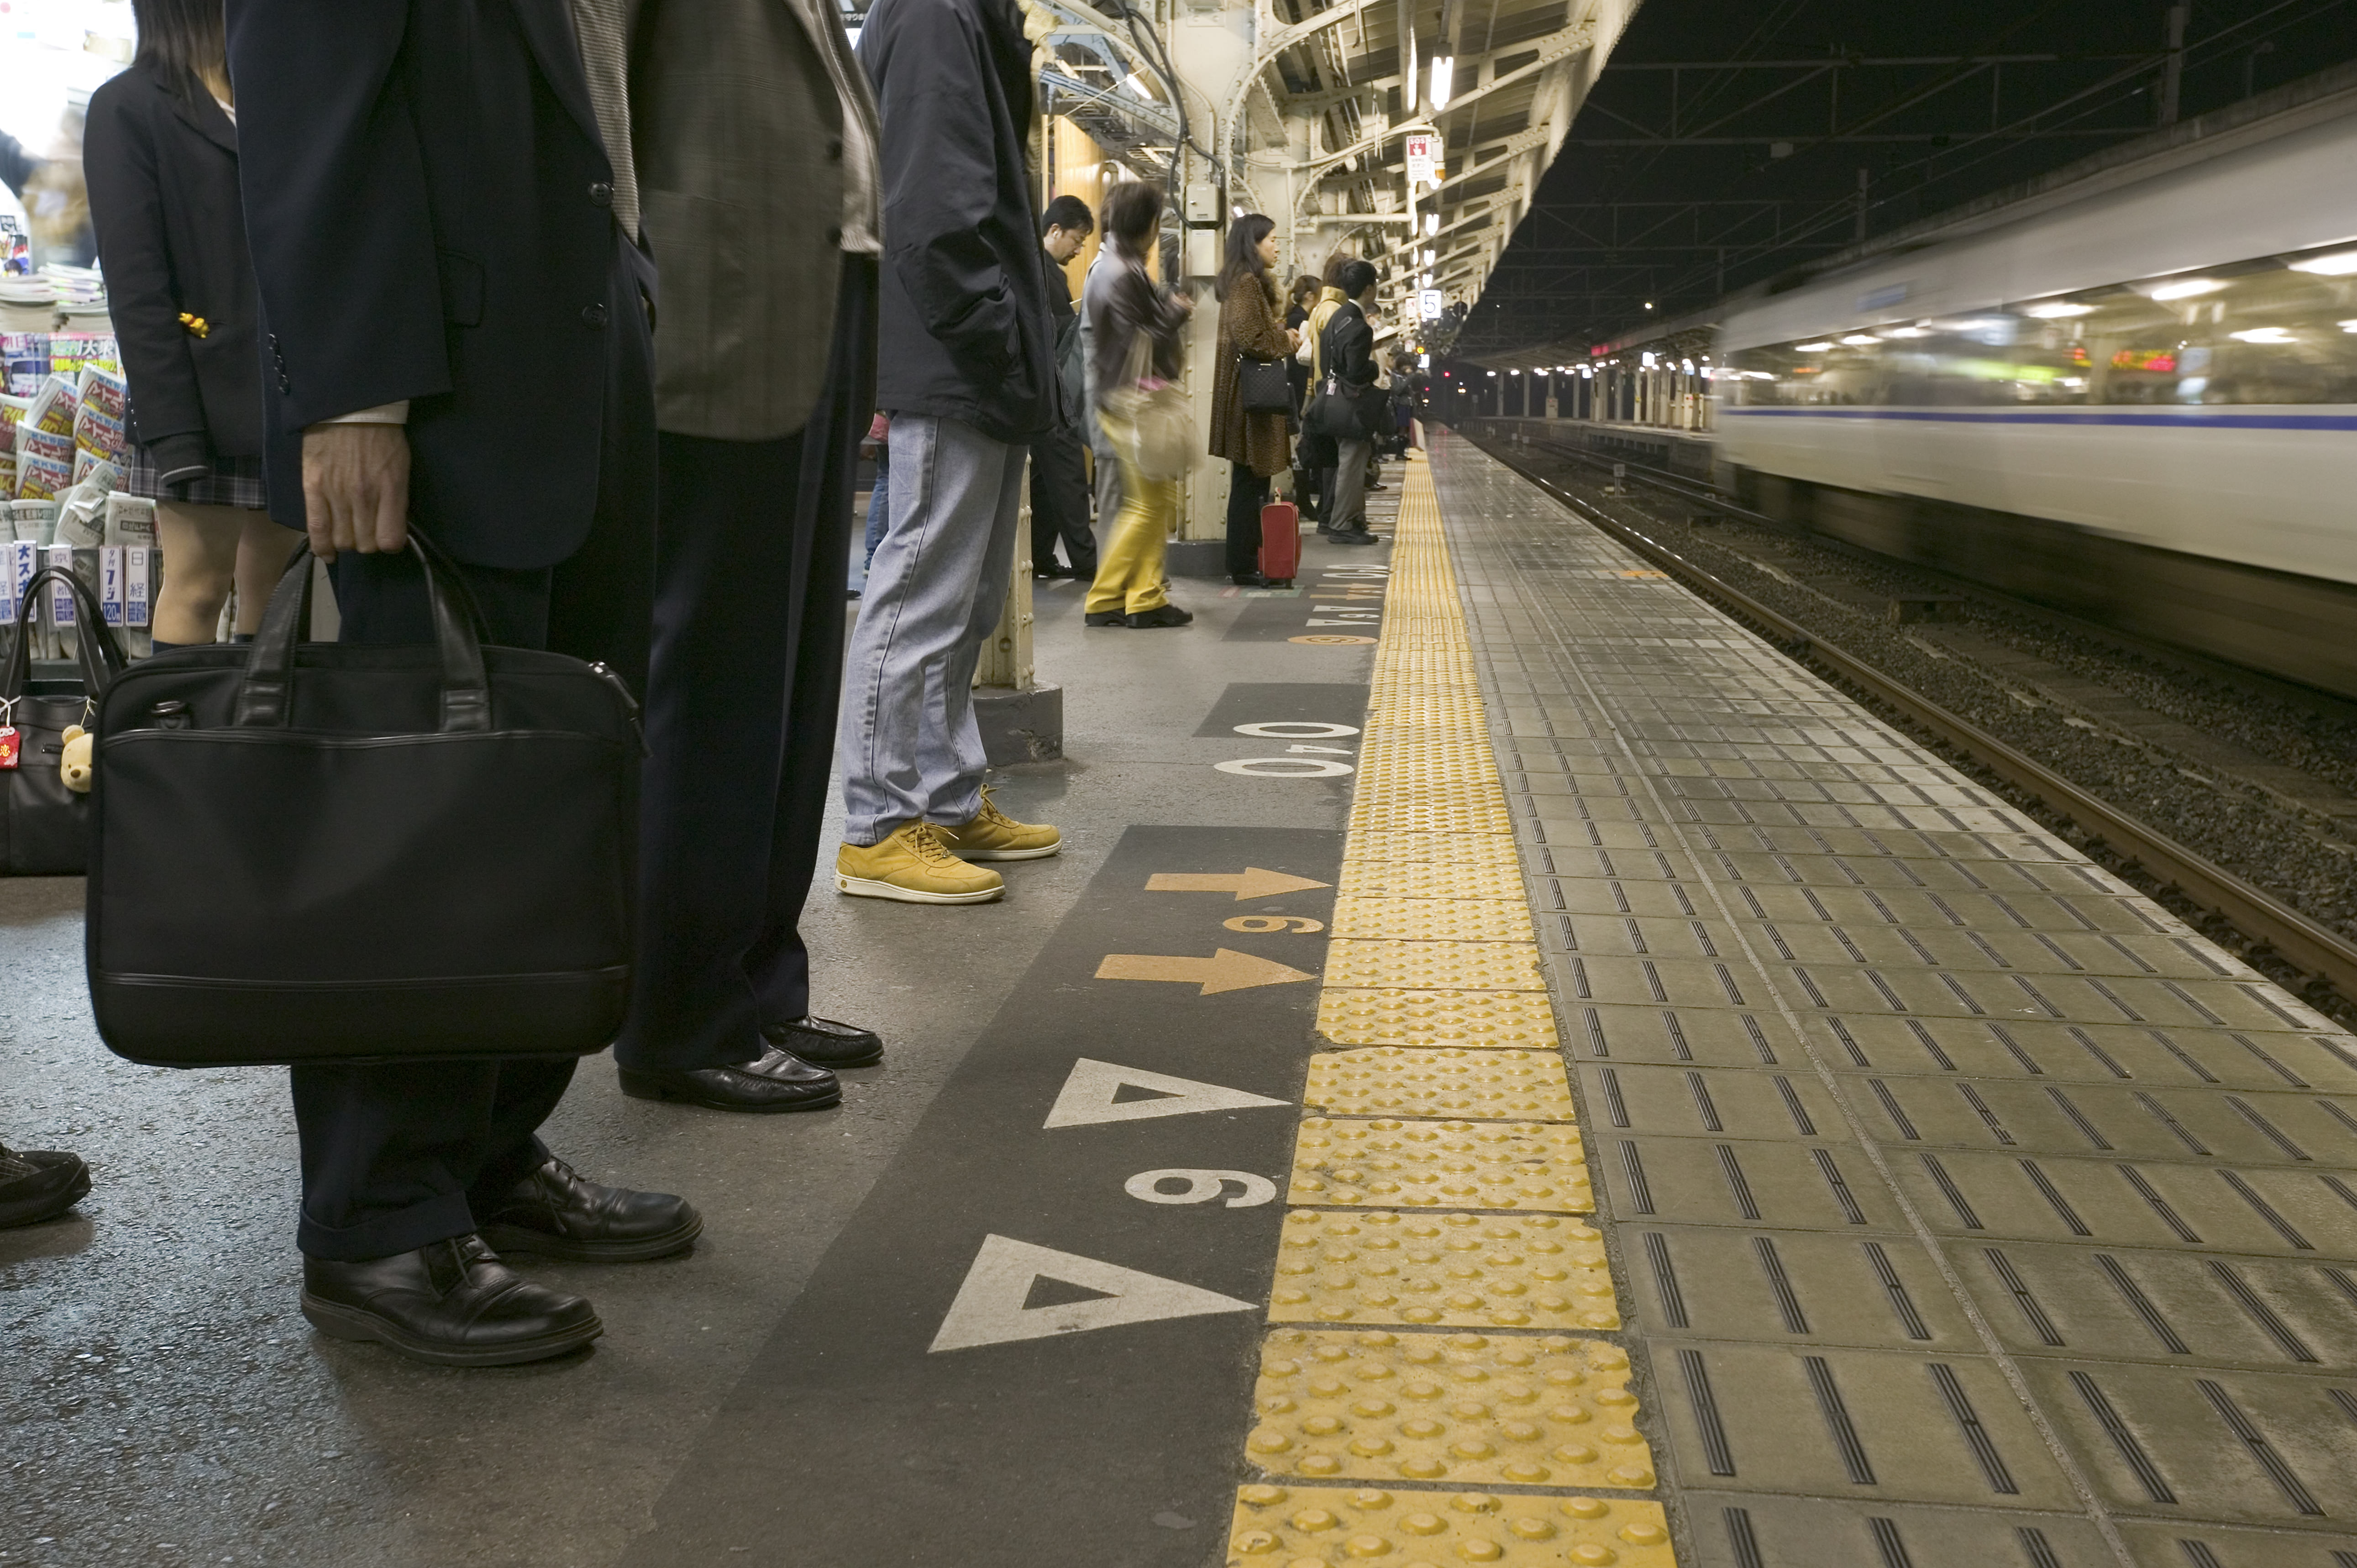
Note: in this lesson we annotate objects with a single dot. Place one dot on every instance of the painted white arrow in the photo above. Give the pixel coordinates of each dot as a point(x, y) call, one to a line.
point(1089, 1094)
point(990, 1310)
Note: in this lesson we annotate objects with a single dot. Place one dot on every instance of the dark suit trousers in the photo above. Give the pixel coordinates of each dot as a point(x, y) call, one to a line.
point(1059, 502)
point(741, 714)
point(1247, 493)
point(394, 1156)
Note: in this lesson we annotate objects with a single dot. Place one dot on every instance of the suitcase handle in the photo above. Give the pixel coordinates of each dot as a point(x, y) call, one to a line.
point(264, 698)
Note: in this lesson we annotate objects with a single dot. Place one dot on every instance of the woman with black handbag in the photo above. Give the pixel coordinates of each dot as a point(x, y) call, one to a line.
point(1251, 392)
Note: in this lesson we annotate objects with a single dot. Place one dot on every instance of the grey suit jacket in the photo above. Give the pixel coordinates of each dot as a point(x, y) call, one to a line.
point(739, 127)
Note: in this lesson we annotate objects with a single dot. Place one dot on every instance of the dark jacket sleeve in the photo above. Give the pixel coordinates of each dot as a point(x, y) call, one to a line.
point(16, 165)
point(1353, 343)
point(336, 207)
point(127, 209)
point(940, 183)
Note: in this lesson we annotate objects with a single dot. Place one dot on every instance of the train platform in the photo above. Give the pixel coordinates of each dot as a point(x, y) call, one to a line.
point(1509, 1069)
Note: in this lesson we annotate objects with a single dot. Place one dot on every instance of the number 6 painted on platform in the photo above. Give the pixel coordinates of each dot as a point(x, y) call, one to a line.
point(1201, 1187)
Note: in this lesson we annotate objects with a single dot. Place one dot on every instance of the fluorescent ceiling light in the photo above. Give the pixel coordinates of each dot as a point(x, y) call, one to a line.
point(1432, 222)
point(2262, 334)
point(1444, 68)
point(2185, 288)
point(1856, 338)
point(1811, 348)
point(2057, 311)
point(1905, 332)
point(2346, 325)
point(2339, 264)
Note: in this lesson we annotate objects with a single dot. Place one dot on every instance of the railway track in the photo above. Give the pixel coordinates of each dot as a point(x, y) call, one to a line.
point(2312, 959)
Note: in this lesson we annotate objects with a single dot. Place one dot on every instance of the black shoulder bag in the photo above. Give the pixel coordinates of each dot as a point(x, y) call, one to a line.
point(325, 852)
point(44, 817)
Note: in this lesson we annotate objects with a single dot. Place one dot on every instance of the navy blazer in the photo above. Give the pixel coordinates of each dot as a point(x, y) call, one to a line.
point(430, 208)
point(171, 240)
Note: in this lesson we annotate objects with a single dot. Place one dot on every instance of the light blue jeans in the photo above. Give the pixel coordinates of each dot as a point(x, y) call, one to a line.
point(910, 747)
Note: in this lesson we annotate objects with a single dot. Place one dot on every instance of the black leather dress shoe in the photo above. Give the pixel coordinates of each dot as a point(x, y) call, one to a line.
point(39, 1184)
point(452, 1303)
point(775, 1080)
point(823, 1042)
point(557, 1214)
point(1248, 579)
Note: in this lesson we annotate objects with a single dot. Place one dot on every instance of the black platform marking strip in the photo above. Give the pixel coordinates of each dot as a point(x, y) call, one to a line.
point(2267, 1212)
point(1613, 1104)
point(1665, 1280)
point(1842, 1194)
point(1837, 1422)
point(1736, 1184)
point(1888, 1543)
point(1788, 1304)
point(2053, 1196)
point(2173, 1048)
point(2087, 1043)
point(1703, 1108)
point(2005, 1038)
point(1931, 1047)
point(2035, 1548)
point(1739, 1539)
point(1640, 1197)
point(2261, 1312)
point(1953, 1194)
point(1596, 1044)
point(1976, 1436)
point(2148, 1474)
point(2268, 1130)
point(2278, 1471)
point(1719, 1457)
point(1799, 1113)
point(2198, 1554)
point(2032, 1310)
point(2280, 1070)
point(1894, 1290)
point(2070, 1108)
point(1678, 1034)
point(1891, 1109)
point(1989, 1117)
point(1768, 1055)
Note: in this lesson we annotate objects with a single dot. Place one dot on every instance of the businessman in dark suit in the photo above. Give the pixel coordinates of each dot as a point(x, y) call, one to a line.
point(443, 221)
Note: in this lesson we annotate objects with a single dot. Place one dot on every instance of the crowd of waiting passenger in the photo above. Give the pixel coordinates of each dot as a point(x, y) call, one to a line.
point(519, 299)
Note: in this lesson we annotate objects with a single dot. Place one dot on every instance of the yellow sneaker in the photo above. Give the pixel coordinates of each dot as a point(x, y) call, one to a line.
point(913, 865)
point(995, 835)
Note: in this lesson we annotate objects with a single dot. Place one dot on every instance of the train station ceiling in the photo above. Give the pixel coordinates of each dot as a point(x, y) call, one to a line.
point(1727, 141)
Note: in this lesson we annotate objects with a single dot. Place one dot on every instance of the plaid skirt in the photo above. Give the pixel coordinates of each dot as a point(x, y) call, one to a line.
point(232, 481)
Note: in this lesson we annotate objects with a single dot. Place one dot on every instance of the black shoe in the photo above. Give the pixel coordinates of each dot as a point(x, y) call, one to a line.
point(557, 1214)
point(1045, 572)
point(775, 1080)
point(452, 1303)
point(1105, 618)
point(39, 1184)
point(1352, 536)
point(1248, 580)
point(1378, 487)
point(823, 1042)
point(1161, 615)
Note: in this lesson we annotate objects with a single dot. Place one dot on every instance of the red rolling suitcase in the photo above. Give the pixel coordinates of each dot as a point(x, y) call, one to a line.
point(1280, 543)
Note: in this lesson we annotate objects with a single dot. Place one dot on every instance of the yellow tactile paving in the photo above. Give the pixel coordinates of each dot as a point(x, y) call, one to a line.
point(1299, 1526)
point(1442, 919)
point(1492, 878)
point(1435, 965)
point(1491, 853)
point(1463, 1408)
point(1444, 1271)
point(1438, 1196)
point(1393, 1080)
point(1511, 1020)
point(1394, 1163)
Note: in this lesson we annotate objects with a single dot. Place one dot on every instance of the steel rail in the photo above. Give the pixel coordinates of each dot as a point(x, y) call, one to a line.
point(2273, 926)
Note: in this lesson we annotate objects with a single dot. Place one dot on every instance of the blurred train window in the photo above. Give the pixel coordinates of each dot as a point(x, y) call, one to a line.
point(2278, 330)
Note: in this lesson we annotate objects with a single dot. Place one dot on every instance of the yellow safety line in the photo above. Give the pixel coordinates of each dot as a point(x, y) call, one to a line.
point(1434, 1275)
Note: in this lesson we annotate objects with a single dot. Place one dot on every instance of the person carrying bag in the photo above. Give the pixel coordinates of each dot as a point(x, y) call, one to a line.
point(1350, 386)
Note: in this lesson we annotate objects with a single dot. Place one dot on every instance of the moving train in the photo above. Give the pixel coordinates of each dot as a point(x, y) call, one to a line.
point(2131, 393)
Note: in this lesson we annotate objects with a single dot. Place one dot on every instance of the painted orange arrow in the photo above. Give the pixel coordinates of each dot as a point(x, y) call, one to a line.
point(1225, 969)
point(1251, 882)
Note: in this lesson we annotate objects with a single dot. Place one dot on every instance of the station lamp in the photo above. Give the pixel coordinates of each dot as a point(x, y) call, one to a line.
point(1443, 71)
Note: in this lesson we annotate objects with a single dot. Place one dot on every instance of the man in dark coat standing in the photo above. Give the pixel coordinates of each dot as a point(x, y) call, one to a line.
point(757, 142)
point(966, 367)
point(443, 216)
point(1059, 470)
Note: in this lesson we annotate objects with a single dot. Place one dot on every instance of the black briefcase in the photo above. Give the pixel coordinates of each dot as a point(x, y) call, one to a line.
point(327, 852)
point(44, 821)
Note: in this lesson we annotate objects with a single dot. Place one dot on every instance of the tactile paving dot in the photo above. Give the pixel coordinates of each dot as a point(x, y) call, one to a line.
point(1299, 1526)
point(1435, 966)
point(1459, 810)
point(1372, 878)
point(1516, 1020)
point(1334, 1404)
point(1448, 1271)
point(1519, 1086)
point(1433, 919)
point(1440, 1165)
point(1487, 854)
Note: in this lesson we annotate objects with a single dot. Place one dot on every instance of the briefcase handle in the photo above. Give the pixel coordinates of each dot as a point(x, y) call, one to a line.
point(264, 699)
point(101, 656)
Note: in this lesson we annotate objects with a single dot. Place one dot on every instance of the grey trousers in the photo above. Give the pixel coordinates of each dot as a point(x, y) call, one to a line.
point(1346, 485)
point(909, 745)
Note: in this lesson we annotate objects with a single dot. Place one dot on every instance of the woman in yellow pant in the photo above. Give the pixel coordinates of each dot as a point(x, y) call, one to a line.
point(1134, 332)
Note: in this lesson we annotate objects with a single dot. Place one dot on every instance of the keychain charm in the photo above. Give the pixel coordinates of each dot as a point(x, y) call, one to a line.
point(74, 766)
point(11, 745)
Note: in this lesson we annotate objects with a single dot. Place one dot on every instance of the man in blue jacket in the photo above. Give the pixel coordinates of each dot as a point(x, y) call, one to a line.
point(967, 369)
